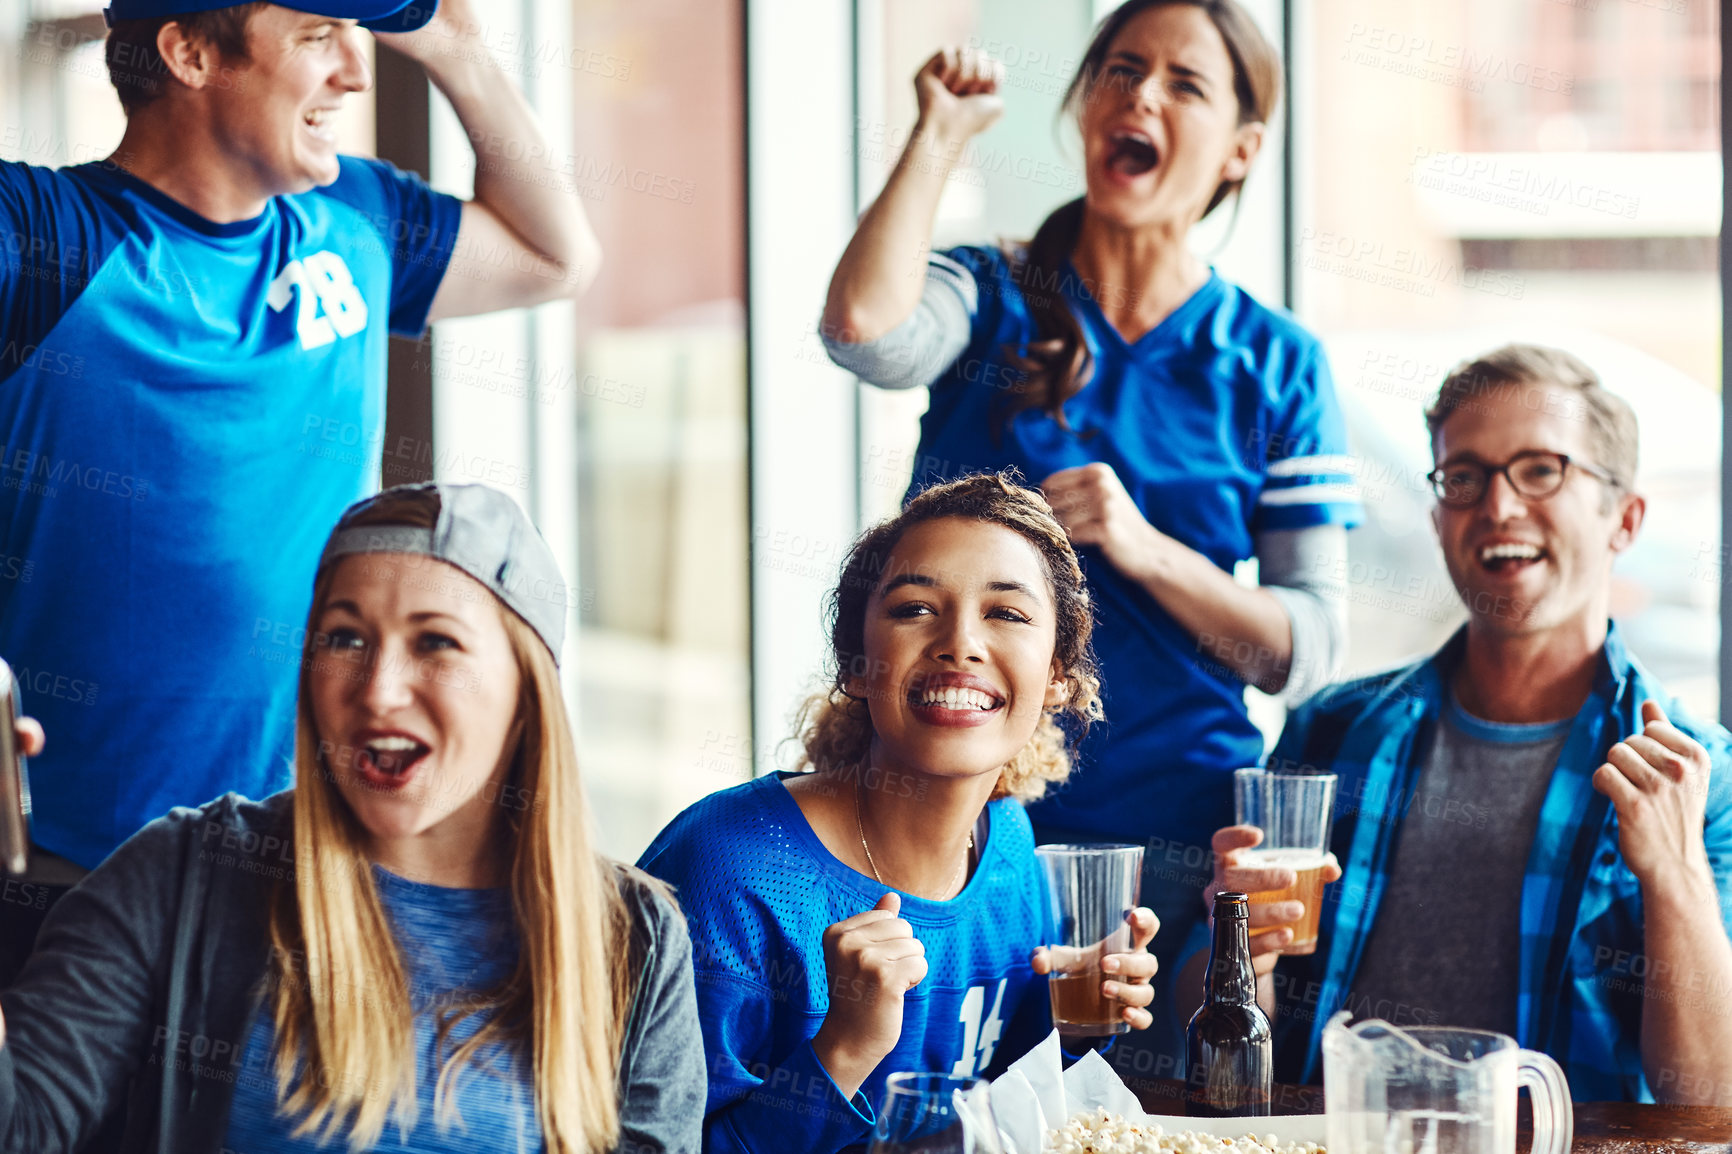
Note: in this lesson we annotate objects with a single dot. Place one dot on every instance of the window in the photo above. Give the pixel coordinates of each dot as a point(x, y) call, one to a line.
point(626, 411)
point(1538, 171)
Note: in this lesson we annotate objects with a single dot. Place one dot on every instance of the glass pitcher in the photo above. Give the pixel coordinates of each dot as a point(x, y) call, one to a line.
point(1436, 1090)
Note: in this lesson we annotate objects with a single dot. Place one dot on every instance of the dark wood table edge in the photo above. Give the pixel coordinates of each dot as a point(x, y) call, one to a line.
point(1600, 1127)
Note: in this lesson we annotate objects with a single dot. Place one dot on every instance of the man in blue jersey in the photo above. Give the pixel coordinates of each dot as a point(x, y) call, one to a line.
point(187, 330)
point(1535, 838)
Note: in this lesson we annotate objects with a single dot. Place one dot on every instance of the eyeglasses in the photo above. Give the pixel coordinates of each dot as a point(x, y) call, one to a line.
point(1534, 474)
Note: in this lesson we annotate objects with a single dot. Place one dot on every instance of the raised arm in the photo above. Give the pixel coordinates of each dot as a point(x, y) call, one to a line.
point(881, 275)
point(1659, 781)
point(525, 238)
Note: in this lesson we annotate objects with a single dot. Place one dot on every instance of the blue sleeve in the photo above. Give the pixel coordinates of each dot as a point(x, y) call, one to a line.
point(417, 226)
point(760, 1101)
point(57, 233)
point(791, 1105)
point(1717, 818)
point(1308, 474)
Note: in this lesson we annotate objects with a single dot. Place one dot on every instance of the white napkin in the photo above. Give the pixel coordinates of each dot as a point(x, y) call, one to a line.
point(1036, 1094)
point(1091, 1084)
point(1030, 1092)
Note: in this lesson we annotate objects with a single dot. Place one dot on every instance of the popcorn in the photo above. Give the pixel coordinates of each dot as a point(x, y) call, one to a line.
point(1102, 1132)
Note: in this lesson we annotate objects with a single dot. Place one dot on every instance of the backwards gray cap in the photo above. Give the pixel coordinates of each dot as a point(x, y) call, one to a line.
point(482, 532)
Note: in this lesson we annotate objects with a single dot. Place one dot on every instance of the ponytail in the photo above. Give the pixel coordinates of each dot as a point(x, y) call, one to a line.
point(1055, 366)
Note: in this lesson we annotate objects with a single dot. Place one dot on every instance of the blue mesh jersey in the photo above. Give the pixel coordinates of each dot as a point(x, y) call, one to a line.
point(186, 409)
point(759, 890)
point(1580, 995)
point(454, 943)
point(1221, 421)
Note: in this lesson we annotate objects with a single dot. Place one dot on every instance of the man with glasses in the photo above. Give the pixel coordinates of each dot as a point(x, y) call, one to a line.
point(1532, 836)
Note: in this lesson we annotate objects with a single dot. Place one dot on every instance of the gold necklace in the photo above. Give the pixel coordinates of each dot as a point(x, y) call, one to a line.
point(860, 826)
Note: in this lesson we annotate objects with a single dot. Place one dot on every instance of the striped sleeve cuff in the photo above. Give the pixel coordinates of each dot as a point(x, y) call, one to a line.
point(1319, 489)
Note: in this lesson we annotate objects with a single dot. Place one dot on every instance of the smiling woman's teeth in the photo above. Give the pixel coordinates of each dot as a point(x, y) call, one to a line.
point(953, 698)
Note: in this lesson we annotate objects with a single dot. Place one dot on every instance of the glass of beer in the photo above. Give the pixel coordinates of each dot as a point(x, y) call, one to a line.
point(1092, 890)
point(1293, 810)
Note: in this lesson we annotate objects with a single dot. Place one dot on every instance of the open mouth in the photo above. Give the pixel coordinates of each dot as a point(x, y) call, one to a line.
point(1131, 154)
point(1510, 557)
point(389, 762)
point(321, 123)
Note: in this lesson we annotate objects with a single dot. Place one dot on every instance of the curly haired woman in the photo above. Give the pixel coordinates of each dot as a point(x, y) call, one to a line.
point(884, 911)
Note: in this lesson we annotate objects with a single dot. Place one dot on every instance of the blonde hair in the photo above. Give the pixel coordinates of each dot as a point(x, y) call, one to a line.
point(836, 729)
point(345, 1055)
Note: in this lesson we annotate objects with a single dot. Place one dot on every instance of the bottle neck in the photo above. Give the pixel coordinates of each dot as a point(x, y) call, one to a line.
point(1230, 977)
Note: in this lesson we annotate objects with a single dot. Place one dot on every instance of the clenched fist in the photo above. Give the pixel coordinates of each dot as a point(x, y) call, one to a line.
point(870, 961)
point(957, 93)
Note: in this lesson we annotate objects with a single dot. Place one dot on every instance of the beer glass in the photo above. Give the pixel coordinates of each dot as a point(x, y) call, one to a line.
point(1293, 810)
point(1092, 890)
point(935, 1114)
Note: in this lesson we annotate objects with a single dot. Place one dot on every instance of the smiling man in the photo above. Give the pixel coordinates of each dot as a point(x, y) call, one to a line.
point(1534, 838)
point(187, 329)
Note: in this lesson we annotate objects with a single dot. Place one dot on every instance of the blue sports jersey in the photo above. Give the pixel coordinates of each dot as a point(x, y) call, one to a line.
point(186, 407)
point(455, 943)
point(1222, 421)
point(759, 889)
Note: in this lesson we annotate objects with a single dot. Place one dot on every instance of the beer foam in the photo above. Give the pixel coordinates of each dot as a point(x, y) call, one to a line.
point(1293, 859)
point(1103, 1132)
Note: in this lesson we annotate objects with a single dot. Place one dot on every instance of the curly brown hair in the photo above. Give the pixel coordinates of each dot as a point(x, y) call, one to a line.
point(836, 729)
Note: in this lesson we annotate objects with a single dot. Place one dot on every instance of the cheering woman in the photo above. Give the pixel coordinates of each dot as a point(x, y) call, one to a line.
point(415, 949)
point(1176, 425)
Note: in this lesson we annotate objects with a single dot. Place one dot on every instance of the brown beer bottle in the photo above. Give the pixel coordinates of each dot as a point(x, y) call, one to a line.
point(1229, 1051)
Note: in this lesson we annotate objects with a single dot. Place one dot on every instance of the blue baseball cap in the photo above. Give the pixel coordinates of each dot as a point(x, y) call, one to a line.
point(377, 15)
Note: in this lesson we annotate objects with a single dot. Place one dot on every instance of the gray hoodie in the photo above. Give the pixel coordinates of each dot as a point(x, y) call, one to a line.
point(145, 979)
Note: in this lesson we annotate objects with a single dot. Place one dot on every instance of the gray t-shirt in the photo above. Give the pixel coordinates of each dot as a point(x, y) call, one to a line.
point(1446, 946)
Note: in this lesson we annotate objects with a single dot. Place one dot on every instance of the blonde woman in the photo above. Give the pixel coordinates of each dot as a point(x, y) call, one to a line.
point(415, 949)
point(884, 912)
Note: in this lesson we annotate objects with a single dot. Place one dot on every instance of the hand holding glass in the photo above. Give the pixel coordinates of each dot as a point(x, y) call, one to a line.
point(1293, 811)
point(1093, 890)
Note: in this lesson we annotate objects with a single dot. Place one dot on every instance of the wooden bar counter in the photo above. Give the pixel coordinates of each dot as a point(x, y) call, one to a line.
point(1600, 1127)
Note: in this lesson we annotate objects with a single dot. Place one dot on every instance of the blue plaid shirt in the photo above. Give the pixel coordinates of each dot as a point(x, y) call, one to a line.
point(1582, 962)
